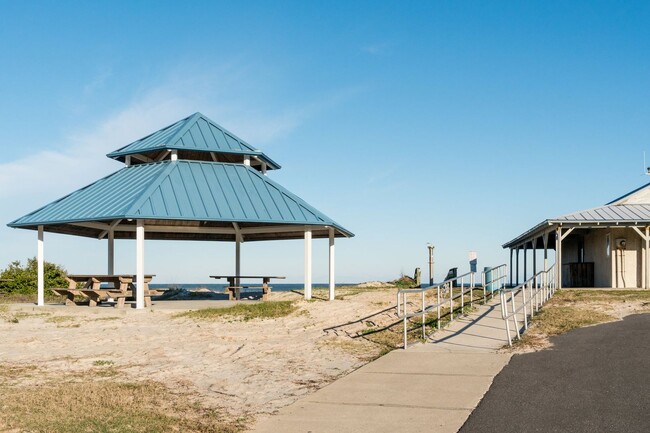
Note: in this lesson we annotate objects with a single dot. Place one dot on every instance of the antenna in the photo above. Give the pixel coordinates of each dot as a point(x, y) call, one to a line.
point(646, 169)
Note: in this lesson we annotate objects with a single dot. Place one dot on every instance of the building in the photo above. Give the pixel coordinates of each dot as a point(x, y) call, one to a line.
point(606, 246)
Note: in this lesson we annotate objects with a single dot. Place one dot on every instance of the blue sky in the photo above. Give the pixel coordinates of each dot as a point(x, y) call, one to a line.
point(457, 123)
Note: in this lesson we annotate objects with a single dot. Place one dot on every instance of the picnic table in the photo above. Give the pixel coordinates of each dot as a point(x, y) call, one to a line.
point(234, 284)
point(123, 288)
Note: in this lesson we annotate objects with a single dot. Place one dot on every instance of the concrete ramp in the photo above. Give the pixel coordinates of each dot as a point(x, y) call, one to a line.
point(431, 387)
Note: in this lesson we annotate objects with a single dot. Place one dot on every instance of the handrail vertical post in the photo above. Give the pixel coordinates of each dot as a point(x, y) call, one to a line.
point(424, 317)
point(439, 303)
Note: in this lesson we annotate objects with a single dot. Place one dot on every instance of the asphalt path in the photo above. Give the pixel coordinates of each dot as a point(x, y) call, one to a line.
point(594, 379)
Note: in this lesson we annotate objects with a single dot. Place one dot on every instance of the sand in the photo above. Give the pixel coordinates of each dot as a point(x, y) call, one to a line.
point(249, 368)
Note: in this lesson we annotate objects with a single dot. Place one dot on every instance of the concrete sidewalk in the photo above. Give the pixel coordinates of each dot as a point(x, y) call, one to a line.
point(430, 387)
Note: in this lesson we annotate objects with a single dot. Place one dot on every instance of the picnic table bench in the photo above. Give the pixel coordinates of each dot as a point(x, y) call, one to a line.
point(123, 288)
point(234, 284)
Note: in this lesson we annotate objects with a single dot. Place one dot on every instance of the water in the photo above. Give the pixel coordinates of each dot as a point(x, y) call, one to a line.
point(221, 288)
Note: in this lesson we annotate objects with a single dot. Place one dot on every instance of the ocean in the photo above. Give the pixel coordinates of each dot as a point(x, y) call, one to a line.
point(221, 288)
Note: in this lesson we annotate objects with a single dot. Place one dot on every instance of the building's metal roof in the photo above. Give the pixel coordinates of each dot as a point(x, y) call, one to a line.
point(196, 133)
point(631, 209)
point(190, 193)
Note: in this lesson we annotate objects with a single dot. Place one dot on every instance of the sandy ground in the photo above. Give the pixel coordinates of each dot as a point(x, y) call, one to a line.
point(250, 368)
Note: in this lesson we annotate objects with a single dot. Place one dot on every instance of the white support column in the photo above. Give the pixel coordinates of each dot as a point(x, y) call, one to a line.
point(127, 160)
point(247, 160)
point(525, 263)
point(647, 257)
point(558, 256)
point(510, 267)
point(139, 273)
point(545, 252)
point(517, 263)
point(307, 263)
point(264, 168)
point(40, 270)
point(111, 252)
point(238, 240)
point(535, 256)
point(331, 263)
point(174, 156)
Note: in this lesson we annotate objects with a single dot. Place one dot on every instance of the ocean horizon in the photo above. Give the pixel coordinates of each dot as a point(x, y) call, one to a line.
point(221, 287)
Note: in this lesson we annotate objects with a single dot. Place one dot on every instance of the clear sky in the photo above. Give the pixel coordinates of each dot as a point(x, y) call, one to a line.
point(458, 123)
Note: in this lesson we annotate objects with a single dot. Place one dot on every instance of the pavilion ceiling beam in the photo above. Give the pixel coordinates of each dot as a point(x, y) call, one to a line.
point(112, 226)
point(163, 155)
point(157, 228)
point(142, 158)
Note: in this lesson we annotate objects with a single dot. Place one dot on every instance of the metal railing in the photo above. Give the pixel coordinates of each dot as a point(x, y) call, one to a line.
point(494, 279)
point(445, 286)
point(534, 293)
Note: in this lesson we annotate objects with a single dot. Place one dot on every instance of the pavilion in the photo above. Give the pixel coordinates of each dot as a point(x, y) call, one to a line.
point(192, 180)
point(606, 246)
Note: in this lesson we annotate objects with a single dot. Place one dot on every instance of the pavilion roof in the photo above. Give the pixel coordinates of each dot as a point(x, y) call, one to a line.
point(183, 200)
point(195, 134)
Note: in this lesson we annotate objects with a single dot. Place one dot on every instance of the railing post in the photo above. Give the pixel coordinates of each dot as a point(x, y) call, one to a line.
point(451, 302)
point(439, 301)
point(424, 318)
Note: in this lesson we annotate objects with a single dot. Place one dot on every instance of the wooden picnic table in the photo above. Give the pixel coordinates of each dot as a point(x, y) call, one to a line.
point(123, 287)
point(234, 284)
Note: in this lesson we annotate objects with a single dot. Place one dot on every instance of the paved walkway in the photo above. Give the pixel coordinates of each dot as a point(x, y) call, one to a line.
point(430, 387)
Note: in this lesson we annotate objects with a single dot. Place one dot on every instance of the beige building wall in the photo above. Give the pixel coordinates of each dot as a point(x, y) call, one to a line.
point(612, 267)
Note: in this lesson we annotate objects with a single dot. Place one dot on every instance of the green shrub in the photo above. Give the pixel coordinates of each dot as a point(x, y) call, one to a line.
point(23, 279)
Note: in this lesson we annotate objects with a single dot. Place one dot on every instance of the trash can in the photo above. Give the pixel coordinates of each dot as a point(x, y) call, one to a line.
point(488, 279)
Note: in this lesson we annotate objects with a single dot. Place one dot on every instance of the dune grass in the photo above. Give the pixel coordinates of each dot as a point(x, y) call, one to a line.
point(84, 403)
point(244, 312)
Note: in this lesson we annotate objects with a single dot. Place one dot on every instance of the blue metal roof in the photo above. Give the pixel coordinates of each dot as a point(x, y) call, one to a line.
point(196, 133)
point(181, 190)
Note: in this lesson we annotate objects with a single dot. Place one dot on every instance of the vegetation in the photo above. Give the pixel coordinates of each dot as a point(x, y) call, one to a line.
point(22, 280)
point(245, 312)
point(75, 404)
point(572, 309)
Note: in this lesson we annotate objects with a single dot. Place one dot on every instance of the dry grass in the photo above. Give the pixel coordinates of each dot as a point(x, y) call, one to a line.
point(244, 312)
point(85, 403)
point(572, 309)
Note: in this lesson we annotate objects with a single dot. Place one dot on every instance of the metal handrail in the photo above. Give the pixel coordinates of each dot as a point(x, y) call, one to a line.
point(445, 285)
point(540, 287)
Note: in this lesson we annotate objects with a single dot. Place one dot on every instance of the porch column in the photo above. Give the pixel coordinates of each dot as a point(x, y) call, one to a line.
point(40, 270)
point(647, 257)
point(545, 240)
point(307, 263)
point(525, 263)
point(331, 265)
point(535, 256)
point(517, 272)
point(139, 273)
point(558, 256)
point(510, 267)
point(111, 252)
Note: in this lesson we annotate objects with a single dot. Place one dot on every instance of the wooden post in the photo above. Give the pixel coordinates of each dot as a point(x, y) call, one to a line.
point(40, 269)
point(331, 265)
point(139, 274)
point(525, 262)
point(307, 263)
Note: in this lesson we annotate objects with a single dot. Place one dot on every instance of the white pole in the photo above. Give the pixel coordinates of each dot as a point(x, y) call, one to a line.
point(41, 270)
point(237, 258)
point(139, 299)
point(307, 263)
point(558, 257)
point(331, 262)
point(111, 252)
point(647, 257)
